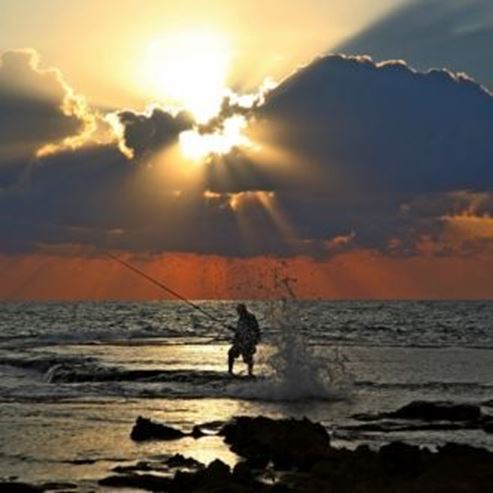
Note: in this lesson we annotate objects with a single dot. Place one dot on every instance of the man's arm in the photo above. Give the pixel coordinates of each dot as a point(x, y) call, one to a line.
point(256, 328)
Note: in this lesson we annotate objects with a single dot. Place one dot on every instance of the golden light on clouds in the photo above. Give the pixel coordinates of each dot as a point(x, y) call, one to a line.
point(198, 146)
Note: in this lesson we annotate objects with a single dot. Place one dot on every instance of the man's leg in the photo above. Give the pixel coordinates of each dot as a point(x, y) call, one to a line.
point(248, 359)
point(232, 355)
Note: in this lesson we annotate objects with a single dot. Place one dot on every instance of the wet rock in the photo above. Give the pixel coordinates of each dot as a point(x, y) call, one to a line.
point(287, 443)
point(462, 450)
point(218, 471)
point(437, 411)
point(197, 432)
point(488, 426)
point(15, 487)
point(258, 461)
point(281, 488)
point(301, 449)
point(145, 429)
point(243, 472)
point(401, 459)
point(216, 478)
point(429, 411)
point(139, 467)
point(386, 426)
point(179, 460)
point(52, 486)
point(147, 482)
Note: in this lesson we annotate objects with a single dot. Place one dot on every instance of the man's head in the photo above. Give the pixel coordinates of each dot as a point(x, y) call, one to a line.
point(241, 309)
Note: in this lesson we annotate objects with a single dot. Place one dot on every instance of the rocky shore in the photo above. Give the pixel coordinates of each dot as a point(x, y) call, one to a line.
point(288, 455)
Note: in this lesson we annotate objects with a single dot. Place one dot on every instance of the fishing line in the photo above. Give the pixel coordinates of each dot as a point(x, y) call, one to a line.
point(165, 288)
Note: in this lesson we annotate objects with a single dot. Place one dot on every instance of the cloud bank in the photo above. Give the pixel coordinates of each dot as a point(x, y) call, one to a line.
point(457, 34)
point(349, 154)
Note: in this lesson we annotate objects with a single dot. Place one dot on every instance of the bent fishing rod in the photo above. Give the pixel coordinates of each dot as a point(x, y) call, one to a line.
point(166, 288)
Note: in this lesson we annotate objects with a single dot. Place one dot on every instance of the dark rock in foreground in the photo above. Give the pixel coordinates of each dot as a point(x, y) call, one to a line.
point(179, 461)
point(217, 477)
point(286, 443)
point(302, 451)
point(145, 429)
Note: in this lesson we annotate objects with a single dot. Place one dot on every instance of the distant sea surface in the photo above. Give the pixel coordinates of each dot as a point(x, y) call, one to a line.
point(74, 376)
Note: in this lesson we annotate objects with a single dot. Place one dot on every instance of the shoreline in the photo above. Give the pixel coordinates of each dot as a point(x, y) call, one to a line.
point(297, 456)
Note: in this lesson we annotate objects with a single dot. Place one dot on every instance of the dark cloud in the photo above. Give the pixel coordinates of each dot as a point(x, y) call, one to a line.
point(372, 156)
point(36, 108)
point(147, 133)
point(457, 34)
point(378, 141)
point(386, 127)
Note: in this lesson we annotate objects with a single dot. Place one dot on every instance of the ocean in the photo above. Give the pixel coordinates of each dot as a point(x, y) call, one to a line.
point(75, 376)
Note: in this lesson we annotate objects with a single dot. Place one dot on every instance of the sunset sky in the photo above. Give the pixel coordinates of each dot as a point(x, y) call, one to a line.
point(221, 145)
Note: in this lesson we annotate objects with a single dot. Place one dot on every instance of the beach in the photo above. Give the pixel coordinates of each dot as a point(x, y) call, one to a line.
point(75, 377)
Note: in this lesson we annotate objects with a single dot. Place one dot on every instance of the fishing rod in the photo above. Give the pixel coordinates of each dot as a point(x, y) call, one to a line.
point(165, 288)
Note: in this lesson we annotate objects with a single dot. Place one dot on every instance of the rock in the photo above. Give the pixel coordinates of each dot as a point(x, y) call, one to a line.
point(461, 450)
point(197, 432)
point(145, 429)
point(401, 459)
point(147, 482)
point(52, 486)
point(139, 467)
point(430, 411)
point(14, 487)
point(488, 427)
point(437, 411)
point(243, 472)
point(217, 471)
point(281, 488)
point(258, 461)
point(287, 442)
point(312, 465)
point(386, 426)
point(179, 460)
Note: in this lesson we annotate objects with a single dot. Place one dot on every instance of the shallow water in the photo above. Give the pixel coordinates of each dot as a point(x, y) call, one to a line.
point(74, 376)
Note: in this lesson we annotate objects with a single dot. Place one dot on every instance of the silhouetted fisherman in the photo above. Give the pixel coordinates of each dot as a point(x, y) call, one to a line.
point(245, 339)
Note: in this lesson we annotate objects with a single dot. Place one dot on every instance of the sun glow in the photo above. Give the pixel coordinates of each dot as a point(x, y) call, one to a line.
point(197, 146)
point(189, 70)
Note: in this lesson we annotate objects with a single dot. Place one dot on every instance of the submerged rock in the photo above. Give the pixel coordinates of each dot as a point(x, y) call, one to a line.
point(437, 411)
point(429, 411)
point(426, 416)
point(15, 487)
point(145, 429)
point(147, 482)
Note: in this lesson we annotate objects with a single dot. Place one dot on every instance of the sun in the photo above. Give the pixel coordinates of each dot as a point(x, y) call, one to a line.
point(197, 147)
point(189, 70)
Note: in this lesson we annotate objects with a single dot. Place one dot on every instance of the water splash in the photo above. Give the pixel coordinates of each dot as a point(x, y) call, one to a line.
point(296, 371)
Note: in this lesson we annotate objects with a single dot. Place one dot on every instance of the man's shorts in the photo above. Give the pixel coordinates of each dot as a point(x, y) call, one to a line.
point(245, 352)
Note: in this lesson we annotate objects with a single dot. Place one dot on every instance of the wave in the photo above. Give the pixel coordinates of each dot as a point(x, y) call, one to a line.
point(90, 372)
point(42, 363)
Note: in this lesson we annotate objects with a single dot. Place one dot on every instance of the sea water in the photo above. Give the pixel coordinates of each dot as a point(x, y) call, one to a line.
point(74, 376)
